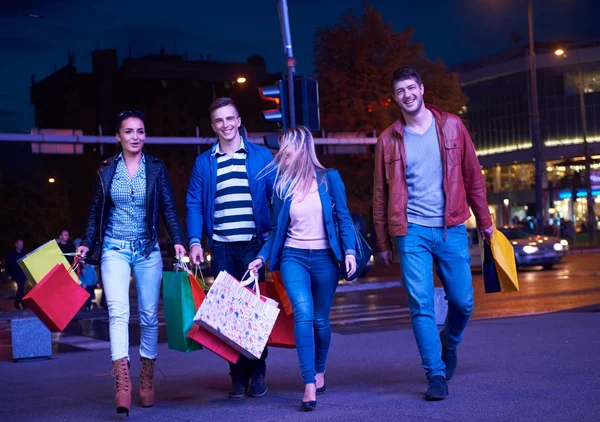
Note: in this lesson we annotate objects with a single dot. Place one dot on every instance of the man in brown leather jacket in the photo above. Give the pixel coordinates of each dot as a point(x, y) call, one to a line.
point(426, 178)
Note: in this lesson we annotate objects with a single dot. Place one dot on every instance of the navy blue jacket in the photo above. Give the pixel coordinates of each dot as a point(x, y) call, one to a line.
point(203, 188)
point(273, 247)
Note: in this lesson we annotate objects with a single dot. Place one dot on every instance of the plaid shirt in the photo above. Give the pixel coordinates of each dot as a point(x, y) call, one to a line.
point(127, 216)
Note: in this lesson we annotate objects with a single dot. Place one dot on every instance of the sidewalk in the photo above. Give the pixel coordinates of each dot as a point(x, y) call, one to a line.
point(527, 368)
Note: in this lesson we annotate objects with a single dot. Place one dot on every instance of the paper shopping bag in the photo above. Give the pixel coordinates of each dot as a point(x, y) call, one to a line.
point(283, 331)
point(39, 262)
point(283, 296)
point(213, 343)
point(238, 315)
point(56, 298)
point(499, 266)
point(182, 295)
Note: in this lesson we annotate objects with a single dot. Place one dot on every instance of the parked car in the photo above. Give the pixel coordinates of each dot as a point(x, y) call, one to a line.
point(530, 249)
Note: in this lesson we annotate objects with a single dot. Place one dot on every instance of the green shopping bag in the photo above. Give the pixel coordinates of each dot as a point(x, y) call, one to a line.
point(182, 296)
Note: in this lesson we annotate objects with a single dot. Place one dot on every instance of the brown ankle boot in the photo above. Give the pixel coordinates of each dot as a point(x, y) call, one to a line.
point(122, 385)
point(147, 382)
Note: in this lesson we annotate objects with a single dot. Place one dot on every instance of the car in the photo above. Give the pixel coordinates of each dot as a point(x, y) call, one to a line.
point(530, 249)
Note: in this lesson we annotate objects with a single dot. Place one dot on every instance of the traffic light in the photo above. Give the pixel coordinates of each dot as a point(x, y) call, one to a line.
point(277, 93)
point(306, 102)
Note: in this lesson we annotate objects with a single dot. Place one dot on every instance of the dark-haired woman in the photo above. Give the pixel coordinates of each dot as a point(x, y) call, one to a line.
point(132, 190)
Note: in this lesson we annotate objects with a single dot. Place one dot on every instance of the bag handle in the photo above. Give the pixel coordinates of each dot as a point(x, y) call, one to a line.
point(251, 279)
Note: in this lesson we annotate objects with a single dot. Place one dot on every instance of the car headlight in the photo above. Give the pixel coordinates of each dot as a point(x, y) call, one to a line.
point(564, 242)
point(530, 249)
point(558, 247)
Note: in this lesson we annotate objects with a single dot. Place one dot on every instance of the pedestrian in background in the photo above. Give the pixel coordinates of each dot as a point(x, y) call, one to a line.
point(16, 274)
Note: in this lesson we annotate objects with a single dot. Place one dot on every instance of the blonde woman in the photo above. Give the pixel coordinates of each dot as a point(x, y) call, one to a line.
point(309, 209)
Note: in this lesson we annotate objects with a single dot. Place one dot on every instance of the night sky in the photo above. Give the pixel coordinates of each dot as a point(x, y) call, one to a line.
point(232, 30)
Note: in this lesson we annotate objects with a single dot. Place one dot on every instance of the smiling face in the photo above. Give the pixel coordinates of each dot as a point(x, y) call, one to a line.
point(408, 93)
point(132, 135)
point(226, 123)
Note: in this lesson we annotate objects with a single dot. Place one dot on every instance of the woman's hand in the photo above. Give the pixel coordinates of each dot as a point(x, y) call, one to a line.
point(350, 265)
point(256, 265)
point(179, 251)
point(82, 251)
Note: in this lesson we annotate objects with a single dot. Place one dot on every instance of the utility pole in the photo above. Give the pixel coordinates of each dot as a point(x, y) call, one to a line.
point(538, 147)
point(591, 215)
point(284, 21)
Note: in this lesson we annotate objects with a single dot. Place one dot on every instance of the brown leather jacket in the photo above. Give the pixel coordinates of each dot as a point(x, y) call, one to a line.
point(463, 183)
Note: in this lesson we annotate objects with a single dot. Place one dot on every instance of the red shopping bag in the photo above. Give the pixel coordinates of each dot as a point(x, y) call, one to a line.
point(284, 300)
point(214, 344)
point(56, 298)
point(283, 331)
point(203, 337)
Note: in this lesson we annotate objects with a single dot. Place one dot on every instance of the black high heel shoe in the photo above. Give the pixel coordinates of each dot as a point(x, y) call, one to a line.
point(322, 389)
point(309, 405)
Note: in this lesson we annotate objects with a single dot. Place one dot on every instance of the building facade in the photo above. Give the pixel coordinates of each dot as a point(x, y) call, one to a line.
point(173, 92)
point(498, 117)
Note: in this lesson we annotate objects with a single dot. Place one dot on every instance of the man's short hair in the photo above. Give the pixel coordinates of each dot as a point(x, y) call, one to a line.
point(220, 103)
point(403, 73)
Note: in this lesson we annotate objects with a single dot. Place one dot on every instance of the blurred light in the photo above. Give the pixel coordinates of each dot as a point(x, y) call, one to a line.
point(558, 247)
point(186, 259)
point(530, 249)
point(514, 243)
point(564, 242)
point(241, 80)
point(559, 52)
point(51, 180)
point(506, 202)
point(208, 258)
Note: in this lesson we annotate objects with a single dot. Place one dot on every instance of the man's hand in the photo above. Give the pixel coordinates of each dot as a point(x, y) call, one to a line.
point(387, 257)
point(196, 254)
point(179, 251)
point(487, 233)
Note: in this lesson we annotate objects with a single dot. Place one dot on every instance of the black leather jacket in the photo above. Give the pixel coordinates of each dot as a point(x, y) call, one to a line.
point(159, 200)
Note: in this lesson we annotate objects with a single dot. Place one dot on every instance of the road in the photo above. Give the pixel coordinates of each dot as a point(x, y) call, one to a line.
point(380, 303)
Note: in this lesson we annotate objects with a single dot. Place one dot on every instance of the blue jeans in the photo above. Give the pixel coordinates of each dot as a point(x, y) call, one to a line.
point(234, 258)
point(119, 259)
point(310, 278)
point(418, 251)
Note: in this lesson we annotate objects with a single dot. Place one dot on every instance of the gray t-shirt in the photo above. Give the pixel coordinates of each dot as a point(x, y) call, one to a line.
point(424, 176)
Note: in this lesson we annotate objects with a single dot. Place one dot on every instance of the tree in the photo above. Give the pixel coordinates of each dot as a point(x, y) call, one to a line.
point(353, 62)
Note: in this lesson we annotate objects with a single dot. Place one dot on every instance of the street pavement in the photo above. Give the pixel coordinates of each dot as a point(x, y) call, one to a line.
point(536, 368)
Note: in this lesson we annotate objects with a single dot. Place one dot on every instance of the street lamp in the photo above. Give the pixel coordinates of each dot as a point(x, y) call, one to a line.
point(588, 165)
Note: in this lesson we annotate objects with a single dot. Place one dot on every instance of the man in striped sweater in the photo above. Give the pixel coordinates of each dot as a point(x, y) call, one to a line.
point(228, 202)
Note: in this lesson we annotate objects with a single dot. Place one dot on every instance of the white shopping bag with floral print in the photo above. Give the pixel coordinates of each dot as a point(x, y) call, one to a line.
point(238, 315)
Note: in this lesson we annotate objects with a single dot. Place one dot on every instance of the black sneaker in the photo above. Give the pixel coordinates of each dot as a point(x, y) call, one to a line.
point(450, 358)
point(258, 386)
point(437, 389)
point(238, 390)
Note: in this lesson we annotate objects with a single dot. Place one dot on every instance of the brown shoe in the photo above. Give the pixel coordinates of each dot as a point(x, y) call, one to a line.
point(147, 382)
point(122, 385)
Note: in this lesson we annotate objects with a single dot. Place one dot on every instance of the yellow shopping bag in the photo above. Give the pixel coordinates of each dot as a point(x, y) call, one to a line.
point(36, 264)
point(504, 258)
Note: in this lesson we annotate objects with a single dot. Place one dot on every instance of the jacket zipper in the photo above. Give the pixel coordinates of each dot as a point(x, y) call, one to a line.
point(103, 204)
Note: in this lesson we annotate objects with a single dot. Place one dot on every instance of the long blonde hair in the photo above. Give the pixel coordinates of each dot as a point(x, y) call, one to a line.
point(295, 178)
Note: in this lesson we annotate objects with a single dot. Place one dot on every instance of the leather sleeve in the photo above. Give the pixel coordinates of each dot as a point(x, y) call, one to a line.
point(380, 201)
point(168, 209)
point(474, 183)
point(94, 213)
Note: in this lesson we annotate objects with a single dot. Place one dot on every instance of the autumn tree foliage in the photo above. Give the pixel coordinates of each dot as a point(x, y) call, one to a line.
point(353, 62)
